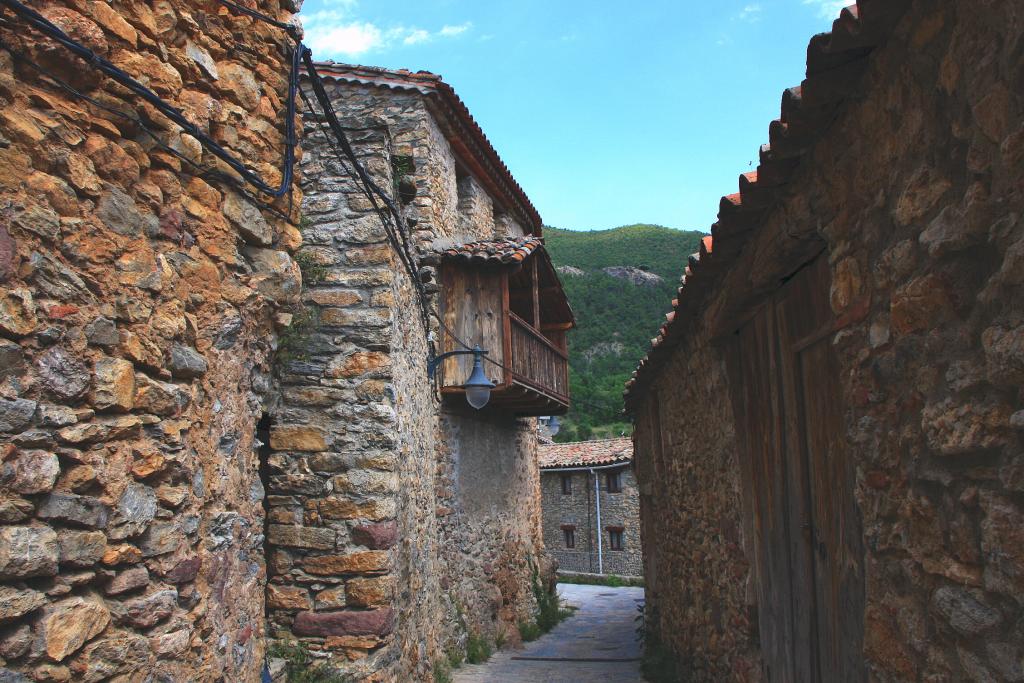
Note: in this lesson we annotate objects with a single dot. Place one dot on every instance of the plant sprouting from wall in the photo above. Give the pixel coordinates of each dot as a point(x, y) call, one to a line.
point(478, 649)
point(549, 612)
point(293, 341)
point(301, 667)
point(402, 168)
point(313, 273)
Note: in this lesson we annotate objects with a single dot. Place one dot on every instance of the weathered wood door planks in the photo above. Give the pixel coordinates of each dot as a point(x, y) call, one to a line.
point(806, 529)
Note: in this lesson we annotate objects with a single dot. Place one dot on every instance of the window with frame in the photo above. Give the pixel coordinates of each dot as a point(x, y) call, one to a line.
point(614, 481)
point(615, 537)
point(569, 531)
point(566, 484)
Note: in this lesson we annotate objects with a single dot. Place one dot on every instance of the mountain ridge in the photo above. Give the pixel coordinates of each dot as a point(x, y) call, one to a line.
point(616, 315)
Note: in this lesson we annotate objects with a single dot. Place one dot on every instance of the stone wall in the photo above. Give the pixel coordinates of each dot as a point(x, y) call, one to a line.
point(696, 565)
point(916, 192)
point(579, 509)
point(404, 524)
point(489, 516)
point(137, 312)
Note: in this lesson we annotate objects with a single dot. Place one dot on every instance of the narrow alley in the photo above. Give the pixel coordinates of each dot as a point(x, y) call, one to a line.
point(317, 366)
point(597, 643)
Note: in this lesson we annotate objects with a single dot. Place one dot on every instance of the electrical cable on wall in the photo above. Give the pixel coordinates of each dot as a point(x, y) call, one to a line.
point(201, 172)
point(390, 216)
point(290, 28)
point(398, 233)
point(47, 28)
point(339, 143)
point(399, 239)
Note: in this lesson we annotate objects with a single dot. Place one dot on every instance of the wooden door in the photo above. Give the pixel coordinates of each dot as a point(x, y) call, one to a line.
point(784, 378)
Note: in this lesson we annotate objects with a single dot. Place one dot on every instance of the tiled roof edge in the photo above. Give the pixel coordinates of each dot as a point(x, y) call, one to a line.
point(506, 251)
point(835, 61)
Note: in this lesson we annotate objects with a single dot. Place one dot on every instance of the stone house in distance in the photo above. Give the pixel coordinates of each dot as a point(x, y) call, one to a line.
point(591, 507)
point(400, 520)
point(829, 434)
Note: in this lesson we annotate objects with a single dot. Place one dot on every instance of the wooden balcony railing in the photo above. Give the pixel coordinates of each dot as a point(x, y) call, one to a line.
point(537, 362)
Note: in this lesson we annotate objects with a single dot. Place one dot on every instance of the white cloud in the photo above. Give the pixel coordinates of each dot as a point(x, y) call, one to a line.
point(348, 39)
point(416, 35)
point(750, 13)
point(829, 9)
point(336, 31)
point(452, 31)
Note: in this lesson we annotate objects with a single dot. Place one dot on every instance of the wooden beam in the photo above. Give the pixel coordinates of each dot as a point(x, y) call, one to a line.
point(535, 282)
point(506, 331)
point(541, 290)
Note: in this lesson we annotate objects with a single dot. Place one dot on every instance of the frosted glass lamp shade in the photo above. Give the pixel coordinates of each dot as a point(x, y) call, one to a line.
point(478, 387)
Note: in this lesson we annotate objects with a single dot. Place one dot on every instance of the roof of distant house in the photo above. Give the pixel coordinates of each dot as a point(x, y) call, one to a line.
point(463, 133)
point(834, 62)
point(585, 453)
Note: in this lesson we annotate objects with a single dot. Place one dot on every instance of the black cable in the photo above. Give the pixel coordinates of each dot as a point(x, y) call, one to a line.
point(398, 238)
point(49, 29)
point(290, 28)
point(373, 192)
point(370, 189)
point(200, 172)
point(340, 156)
point(332, 120)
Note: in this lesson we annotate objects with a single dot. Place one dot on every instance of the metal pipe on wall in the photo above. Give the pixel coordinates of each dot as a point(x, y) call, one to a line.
point(597, 498)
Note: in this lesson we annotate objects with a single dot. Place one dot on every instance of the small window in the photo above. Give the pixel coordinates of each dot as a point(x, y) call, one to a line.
point(614, 480)
point(566, 484)
point(570, 537)
point(615, 537)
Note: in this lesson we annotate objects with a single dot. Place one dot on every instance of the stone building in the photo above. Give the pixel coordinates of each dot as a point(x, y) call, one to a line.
point(400, 519)
point(139, 298)
point(829, 427)
point(198, 450)
point(591, 507)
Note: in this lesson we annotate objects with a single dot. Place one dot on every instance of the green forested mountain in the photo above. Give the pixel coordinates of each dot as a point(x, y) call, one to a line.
point(620, 284)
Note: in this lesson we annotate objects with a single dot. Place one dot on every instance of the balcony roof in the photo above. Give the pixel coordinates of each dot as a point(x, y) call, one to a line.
point(513, 252)
point(509, 251)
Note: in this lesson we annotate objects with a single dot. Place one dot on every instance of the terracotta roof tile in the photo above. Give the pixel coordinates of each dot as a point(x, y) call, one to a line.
point(585, 453)
point(497, 252)
point(834, 62)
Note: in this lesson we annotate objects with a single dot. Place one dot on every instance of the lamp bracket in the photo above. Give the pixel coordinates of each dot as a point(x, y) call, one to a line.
point(434, 361)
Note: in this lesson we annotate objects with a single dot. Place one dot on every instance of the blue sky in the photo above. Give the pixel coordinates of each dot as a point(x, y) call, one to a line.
point(606, 113)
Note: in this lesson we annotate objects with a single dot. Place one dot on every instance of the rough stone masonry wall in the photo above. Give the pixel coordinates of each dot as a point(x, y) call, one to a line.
point(336, 460)
point(579, 509)
point(918, 192)
point(137, 307)
point(698, 599)
point(364, 465)
point(489, 518)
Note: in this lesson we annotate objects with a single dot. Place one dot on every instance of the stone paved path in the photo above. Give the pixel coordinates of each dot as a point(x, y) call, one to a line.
point(596, 645)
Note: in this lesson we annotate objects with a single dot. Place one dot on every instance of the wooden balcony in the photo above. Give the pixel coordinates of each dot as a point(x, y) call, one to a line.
point(520, 316)
point(538, 375)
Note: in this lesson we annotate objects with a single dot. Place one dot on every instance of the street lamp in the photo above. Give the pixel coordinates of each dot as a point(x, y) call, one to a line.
point(478, 387)
point(554, 425)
